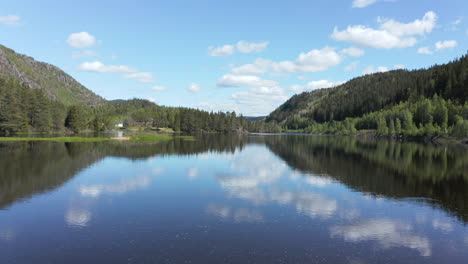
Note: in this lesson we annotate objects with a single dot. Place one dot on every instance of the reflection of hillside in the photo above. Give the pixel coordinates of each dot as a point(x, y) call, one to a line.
point(29, 168)
point(400, 170)
point(35, 167)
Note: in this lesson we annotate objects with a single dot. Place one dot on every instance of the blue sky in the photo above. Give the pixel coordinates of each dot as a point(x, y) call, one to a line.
point(246, 56)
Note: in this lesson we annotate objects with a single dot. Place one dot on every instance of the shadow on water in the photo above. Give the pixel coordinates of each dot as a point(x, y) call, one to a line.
point(435, 175)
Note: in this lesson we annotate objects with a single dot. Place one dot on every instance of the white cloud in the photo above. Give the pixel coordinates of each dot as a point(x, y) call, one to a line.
point(194, 88)
point(249, 47)
point(81, 40)
point(144, 77)
point(259, 100)
point(259, 66)
point(314, 85)
point(391, 34)
point(315, 60)
point(302, 77)
point(159, 88)
point(371, 69)
point(10, 20)
point(98, 66)
point(226, 50)
point(446, 44)
point(424, 50)
point(230, 80)
point(399, 66)
point(84, 54)
point(352, 51)
point(362, 3)
point(352, 66)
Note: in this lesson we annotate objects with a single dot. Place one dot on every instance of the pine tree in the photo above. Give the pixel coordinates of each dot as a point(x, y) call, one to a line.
point(75, 120)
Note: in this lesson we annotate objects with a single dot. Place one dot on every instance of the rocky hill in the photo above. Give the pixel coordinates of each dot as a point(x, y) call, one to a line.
point(56, 84)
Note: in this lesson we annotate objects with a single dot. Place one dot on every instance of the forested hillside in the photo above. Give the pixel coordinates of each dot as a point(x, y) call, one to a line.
point(432, 100)
point(54, 83)
point(29, 110)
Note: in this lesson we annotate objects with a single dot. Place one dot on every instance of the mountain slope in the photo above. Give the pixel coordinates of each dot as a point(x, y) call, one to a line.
point(374, 92)
point(56, 84)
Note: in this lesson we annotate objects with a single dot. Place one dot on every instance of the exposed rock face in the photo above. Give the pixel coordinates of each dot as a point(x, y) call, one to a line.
point(56, 83)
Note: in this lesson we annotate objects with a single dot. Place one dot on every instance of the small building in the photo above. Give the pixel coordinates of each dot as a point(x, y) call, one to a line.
point(119, 125)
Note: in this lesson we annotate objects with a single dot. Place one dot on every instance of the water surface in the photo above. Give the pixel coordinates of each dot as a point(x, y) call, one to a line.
point(234, 199)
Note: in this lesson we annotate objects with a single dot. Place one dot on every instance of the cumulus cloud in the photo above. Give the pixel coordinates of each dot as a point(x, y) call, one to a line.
point(315, 60)
point(352, 51)
point(249, 47)
point(362, 3)
point(241, 46)
point(84, 54)
point(391, 34)
point(194, 88)
point(371, 69)
point(259, 66)
point(399, 66)
point(446, 44)
point(159, 88)
point(230, 80)
point(314, 85)
point(226, 50)
point(438, 46)
point(98, 66)
point(129, 73)
point(424, 50)
point(81, 40)
point(144, 77)
point(10, 20)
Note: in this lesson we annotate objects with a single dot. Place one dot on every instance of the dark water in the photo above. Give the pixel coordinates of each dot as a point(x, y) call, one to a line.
point(231, 199)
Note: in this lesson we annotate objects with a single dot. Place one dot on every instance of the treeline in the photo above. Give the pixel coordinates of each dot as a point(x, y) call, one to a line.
point(25, 110)
point(422, 117)
point(372, 93)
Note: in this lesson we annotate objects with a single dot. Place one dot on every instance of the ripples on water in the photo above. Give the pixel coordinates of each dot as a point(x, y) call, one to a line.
point(231, 199)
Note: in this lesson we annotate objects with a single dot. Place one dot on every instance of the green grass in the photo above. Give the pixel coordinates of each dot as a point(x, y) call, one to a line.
point(38, 133)
point(56, 139)
point(133, 138)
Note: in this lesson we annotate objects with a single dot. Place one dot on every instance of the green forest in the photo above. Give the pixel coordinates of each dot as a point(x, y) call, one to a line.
point(422, 102)
point(29, 110)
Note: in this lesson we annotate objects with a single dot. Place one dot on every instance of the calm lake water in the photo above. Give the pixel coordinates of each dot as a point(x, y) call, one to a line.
point(234, 199)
